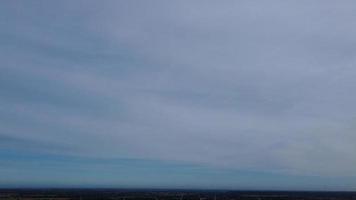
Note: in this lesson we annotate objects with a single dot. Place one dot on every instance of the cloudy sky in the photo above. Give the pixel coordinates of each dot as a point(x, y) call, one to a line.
point(245, 94)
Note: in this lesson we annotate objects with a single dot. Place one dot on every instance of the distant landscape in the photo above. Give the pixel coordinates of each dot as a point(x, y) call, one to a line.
point(147, 194)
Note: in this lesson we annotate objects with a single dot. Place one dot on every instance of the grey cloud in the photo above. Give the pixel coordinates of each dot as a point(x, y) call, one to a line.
point(239, 84)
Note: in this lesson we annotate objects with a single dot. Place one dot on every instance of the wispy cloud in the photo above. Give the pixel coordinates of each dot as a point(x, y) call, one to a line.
point(242, 85)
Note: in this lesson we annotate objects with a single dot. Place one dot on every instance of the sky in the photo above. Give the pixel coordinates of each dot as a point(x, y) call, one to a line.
point(245, 94)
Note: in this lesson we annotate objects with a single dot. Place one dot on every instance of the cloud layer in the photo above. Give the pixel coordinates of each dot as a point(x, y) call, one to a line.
point(246, 85)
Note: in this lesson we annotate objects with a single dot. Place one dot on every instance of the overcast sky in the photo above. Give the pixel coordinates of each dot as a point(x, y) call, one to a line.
point(239, 94)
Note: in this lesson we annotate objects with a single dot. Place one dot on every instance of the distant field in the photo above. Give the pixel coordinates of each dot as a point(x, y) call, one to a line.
point(115, 194)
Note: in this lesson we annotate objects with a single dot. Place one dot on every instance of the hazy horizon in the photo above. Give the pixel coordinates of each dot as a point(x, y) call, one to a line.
point(244, 94)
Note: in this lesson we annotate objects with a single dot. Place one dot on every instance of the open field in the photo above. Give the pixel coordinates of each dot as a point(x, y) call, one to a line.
point(114, 194)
